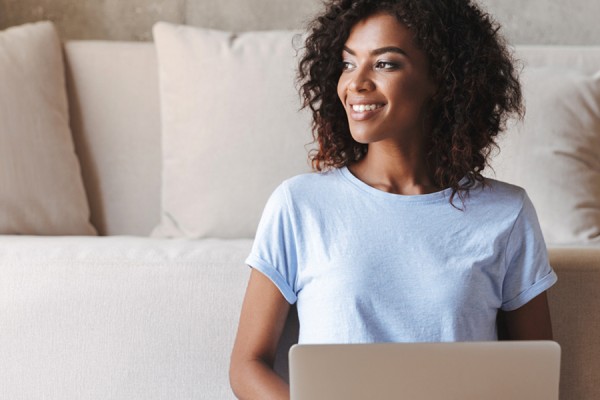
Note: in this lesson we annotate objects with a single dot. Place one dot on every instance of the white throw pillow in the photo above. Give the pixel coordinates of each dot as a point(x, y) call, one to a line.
point(42, 190)
point(555, 153)
point(231, 127)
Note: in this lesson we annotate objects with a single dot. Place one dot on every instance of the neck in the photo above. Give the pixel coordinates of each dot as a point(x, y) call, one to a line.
point(395, 169)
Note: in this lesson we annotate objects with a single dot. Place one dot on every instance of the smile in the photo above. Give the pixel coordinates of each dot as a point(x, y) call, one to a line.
point(365, 107)
point(363, 112)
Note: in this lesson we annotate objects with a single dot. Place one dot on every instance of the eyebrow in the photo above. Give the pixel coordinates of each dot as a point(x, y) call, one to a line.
point(382, 50)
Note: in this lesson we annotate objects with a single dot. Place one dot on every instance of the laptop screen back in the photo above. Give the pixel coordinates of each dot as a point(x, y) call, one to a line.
point(516, 370)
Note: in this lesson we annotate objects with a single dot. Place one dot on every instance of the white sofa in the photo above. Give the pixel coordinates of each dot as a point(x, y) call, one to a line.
point(128, 316)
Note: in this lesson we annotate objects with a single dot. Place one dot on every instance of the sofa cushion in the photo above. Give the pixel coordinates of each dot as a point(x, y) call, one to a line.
point(231, 127)
point(42, 190)
point(119, 317)
point(553, 154)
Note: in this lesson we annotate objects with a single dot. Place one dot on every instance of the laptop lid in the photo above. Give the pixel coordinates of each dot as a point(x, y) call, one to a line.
point(516, 370)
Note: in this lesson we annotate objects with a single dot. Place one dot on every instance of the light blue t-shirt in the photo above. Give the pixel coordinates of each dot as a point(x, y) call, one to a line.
point(365, 265)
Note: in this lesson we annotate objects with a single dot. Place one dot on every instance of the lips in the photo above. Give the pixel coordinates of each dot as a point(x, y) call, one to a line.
point(364, 110)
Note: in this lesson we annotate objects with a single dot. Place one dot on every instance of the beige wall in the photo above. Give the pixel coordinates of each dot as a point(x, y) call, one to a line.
point(548, 21)
point(525, 21)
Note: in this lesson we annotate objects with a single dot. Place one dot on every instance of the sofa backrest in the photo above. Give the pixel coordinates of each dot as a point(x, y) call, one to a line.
point(115, 120)
point(115, 117)
point(582, 58)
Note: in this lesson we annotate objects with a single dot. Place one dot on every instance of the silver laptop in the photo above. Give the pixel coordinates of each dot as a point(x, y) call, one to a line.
point(515, 370)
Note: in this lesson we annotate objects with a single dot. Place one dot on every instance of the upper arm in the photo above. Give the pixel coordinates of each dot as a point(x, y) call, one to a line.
point(531, 321)
point(262, 320)
point(528, 277)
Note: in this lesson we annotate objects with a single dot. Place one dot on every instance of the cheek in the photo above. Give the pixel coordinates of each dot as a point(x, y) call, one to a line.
point(422, 87)
point(408, 88)
point(413, 91)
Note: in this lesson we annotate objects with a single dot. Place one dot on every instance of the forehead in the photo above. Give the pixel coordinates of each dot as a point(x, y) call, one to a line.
point(378, 30)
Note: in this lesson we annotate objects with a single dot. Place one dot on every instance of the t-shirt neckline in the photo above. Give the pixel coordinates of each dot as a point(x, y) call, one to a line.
point(418, 198)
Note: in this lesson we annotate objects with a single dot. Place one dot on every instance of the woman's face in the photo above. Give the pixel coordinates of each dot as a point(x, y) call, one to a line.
point(384, 83)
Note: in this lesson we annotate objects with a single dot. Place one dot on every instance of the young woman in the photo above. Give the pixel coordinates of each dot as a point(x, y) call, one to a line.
point(408, 97)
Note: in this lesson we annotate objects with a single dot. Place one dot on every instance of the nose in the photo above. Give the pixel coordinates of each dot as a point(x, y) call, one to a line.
point(361, 81)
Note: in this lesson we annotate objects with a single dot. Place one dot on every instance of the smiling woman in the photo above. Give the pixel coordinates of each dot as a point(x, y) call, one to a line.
point(407, 97)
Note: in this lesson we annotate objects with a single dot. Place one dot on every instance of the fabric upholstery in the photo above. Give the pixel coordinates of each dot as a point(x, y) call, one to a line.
point(42, 191)
point(231, 127)
point(120, 150)
point(118, 317)
point(574, 306)
point(585, 59)
point(553, 154)
point(113, 98)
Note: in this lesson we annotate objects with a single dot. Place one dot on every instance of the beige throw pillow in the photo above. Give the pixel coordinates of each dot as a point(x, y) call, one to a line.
point(231, 129)
point(555, 153)
point(42, 190)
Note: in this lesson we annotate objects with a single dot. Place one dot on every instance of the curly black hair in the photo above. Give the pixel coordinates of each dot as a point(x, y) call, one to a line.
point(477, 80)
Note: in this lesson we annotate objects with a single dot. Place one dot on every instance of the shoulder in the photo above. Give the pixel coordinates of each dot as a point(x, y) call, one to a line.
point(307, 183)
point(303, 186)
point(309, 190)
point(297, 191)
point(499, 193)
point(493, 201)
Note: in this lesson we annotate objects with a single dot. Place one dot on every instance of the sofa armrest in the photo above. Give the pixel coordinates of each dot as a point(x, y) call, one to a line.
point(582, 257)
point(575, 311)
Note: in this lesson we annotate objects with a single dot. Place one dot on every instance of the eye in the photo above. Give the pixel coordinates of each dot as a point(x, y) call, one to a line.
point(386, 65)
point(346, 65)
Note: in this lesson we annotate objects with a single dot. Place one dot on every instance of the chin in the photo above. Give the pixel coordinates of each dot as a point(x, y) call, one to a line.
point(361, 139)
point(364, 137)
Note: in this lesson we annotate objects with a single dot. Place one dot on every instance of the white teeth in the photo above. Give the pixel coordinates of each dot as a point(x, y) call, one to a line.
point(364, 107)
